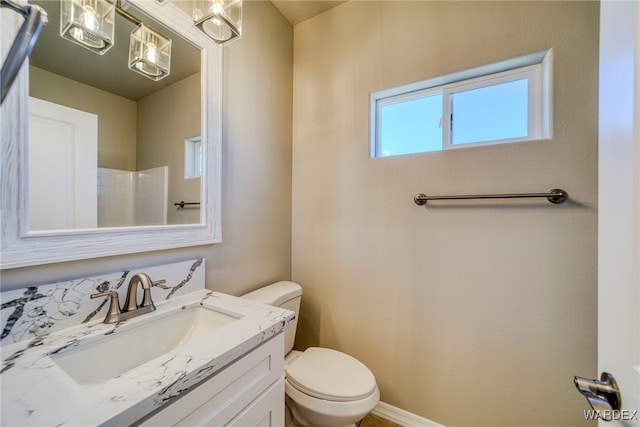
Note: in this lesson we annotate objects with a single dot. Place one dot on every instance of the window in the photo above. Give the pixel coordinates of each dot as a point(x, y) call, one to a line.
point(499, 103)
point(193, 157)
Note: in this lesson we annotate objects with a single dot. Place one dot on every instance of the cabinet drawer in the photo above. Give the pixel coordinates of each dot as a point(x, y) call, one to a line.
point(219, 399)
point(266, 411)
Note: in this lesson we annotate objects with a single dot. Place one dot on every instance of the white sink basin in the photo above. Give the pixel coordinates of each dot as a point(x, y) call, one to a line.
point(134, 343)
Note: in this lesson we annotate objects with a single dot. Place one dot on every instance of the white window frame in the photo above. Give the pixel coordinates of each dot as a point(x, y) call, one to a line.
point(535, 67)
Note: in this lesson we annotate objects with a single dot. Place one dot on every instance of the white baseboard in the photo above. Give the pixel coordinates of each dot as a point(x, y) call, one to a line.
point(402, 417)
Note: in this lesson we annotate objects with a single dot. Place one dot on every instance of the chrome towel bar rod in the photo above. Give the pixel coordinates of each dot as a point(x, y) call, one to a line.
point(555, 196)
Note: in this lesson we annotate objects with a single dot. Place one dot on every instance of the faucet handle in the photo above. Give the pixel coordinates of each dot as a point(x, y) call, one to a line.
point(158, 282)
point(114, 305)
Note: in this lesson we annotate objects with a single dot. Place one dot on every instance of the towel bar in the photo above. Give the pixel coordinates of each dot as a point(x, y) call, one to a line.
point(555, 196)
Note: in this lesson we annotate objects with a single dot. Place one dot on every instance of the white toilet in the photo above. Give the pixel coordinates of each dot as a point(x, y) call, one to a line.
point(324, 388)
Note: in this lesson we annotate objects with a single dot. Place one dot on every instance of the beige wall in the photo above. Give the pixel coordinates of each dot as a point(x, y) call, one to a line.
point(256, 154)
point(468, 314)
point(256, 171)
point(117, 115)
point(165, 119)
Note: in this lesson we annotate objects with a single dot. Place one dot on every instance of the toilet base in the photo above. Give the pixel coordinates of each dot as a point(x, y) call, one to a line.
point(290, 422)
point(307, 411)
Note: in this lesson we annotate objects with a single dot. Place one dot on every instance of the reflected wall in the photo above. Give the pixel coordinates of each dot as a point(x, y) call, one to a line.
point(165, 119)
point(135, 136)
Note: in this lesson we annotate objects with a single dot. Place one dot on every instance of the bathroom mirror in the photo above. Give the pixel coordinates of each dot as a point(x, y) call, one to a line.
point(195, 69)
point(133, 174)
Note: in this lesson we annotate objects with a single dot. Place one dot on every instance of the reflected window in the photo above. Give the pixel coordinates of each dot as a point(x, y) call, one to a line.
point(193, 157)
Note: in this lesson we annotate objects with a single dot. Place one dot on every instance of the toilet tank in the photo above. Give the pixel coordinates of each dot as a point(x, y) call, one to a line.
point(284, 295)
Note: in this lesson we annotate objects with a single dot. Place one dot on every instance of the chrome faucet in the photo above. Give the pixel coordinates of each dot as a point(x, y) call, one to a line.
point(131, 307)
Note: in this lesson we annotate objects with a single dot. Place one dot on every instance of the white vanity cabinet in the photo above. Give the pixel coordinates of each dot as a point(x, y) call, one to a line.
point(248, 392)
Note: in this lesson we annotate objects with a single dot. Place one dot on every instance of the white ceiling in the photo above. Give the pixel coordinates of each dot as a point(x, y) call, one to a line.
point(297, 11)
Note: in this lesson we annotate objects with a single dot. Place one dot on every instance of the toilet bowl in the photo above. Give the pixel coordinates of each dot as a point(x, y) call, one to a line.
point(323, 387)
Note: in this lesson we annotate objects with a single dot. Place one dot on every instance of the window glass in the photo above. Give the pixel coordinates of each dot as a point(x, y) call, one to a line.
point(412, 126)
point(199, 158)
point(490, 113)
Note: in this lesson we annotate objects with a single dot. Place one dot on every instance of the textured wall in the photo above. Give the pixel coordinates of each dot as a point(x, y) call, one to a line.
point(256, 155)
point(474, 314)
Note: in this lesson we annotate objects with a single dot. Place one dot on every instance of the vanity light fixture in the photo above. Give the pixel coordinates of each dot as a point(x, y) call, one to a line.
point(89, 23)
point(220, 20)
point(149, 53)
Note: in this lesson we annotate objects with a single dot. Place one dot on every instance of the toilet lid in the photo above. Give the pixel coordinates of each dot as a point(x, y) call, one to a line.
point(330, 375)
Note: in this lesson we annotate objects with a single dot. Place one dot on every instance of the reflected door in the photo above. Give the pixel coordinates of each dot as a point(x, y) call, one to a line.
point(63, 158)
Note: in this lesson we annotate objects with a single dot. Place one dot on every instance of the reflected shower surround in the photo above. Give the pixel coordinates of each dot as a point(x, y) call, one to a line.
point(91, 24)
point(88, 23)
point(220, 20)
point(127, 198)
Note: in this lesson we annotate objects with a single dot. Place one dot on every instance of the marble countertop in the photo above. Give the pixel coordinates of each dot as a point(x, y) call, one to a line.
point(38, 392)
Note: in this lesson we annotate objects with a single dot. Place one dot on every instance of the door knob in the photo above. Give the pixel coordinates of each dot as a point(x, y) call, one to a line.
point(602, 395)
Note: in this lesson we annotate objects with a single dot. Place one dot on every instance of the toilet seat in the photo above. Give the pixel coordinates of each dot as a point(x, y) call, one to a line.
point(330, 375)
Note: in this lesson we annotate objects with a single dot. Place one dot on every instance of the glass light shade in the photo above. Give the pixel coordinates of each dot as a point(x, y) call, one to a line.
point(89, 23)
point(221, 20)
point(149, 53)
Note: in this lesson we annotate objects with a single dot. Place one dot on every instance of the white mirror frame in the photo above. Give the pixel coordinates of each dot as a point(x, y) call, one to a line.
point(20, 247)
